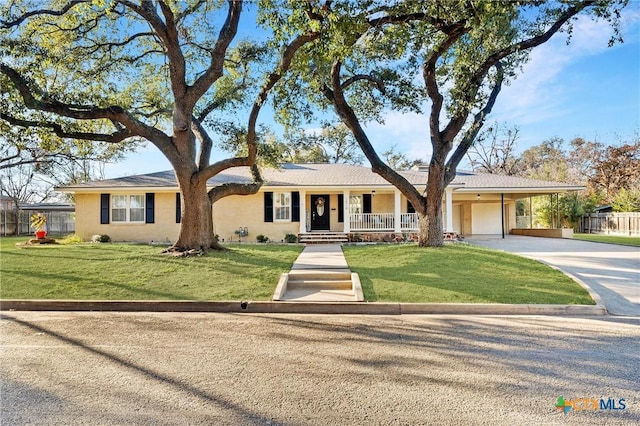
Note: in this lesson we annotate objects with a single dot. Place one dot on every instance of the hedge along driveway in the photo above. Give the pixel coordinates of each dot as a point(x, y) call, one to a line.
point(459, 273)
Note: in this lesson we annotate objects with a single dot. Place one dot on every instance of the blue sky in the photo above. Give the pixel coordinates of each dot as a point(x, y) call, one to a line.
point(584, 89)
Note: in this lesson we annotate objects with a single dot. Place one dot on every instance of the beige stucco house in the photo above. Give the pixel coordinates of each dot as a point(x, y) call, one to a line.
point(300, 199)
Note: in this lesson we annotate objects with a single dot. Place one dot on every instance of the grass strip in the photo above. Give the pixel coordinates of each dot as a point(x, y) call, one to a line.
point(610, 239)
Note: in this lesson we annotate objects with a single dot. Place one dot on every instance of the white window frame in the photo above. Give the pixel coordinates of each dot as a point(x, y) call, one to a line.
point(280, 206)
point(127, 208)
point(355, 204)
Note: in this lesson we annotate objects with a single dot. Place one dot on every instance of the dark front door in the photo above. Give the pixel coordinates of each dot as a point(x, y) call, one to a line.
point(320, 213)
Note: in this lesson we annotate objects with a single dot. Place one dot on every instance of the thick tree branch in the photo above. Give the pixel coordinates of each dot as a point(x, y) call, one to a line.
point(177, 63)
point(66, 8)
point(220, 102)
point(85, 112)
point(228, 189)
point(431, 83)
point(478, 121)
point(349, 118)
point(206, 144)
point(252, 145)
point(475, 80)
point(168, 35)
point(59, 131)
point(377, 81)
point(214, 72)
point(442, 25)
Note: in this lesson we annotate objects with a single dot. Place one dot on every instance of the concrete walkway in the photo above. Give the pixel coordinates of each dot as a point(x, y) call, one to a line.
point(611, 271)
point(320, 274)
point(321, 256)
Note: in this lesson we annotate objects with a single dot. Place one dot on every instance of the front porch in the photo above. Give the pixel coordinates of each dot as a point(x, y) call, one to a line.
point(374, 210)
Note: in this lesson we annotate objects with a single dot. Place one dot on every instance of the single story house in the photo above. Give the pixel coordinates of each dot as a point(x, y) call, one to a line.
point(300, 199)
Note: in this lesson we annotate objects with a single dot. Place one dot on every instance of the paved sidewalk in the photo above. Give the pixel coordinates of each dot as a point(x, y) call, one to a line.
point(321, 256)
point(612, 271)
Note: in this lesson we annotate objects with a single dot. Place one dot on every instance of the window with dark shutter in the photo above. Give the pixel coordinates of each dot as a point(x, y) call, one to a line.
point(268, 206)
point(295, 206)
point(340, 208)
point(104, 208)
point(178, 208)
point(149, 202)
point(366, 203)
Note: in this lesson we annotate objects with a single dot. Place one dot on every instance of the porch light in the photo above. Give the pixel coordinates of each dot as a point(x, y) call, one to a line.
point(478, 197)
point(373, 193)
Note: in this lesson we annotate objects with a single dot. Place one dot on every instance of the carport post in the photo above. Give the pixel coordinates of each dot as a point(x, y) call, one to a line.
point(558, 223)
point(502, 211)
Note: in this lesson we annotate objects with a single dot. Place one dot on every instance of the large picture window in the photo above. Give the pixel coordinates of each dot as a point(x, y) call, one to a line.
point(282, 206)
point(127, 208)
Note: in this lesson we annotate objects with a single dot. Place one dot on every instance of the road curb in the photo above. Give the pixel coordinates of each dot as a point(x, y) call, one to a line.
point(342, 308)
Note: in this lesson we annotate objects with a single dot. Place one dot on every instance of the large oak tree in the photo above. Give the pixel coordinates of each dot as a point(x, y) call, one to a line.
point(121, 71)
point(448, 59)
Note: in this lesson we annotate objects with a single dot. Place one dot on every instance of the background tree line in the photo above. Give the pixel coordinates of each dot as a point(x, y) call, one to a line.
point(610, 172)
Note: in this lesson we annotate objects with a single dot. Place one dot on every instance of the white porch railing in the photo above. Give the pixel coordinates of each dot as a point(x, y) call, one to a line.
point(382, 221)
point(409, 221)
point(371, 222)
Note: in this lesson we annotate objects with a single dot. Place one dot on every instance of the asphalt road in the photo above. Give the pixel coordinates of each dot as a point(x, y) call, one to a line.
point(238, 369)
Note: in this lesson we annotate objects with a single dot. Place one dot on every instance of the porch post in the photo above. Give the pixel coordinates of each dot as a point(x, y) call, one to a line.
point(397, 212)
point(347, 217)
point(449, 209)
point(502, 204)
point(303, 211)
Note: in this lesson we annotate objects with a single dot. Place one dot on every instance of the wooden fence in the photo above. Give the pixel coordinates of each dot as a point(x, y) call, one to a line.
point(610, 223)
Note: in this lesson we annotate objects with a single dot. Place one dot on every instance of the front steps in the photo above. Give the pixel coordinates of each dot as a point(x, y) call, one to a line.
point(319, 286)
point(320, 274)
point(323, 238)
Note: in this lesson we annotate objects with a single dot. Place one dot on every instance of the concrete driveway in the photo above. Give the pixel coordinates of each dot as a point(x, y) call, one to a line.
point(108, 368)
point(612, 271)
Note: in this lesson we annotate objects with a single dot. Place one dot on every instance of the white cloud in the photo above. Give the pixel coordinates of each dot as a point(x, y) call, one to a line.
point(541, 89)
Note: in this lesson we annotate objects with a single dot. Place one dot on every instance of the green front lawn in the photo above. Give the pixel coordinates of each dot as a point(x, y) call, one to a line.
point(389, 273)
point(458, 273)
point(611, 239)
point(139, 272)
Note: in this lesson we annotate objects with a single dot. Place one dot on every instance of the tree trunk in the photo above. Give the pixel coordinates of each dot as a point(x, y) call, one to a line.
point(196, 230)
point(430, 229)
point(435, 234)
